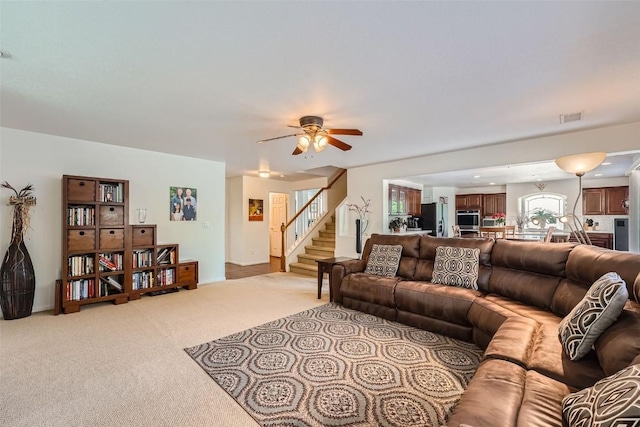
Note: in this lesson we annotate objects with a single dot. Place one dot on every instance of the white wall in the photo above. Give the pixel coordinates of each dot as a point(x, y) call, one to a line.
point(634, 208)
point(493, 189)
point(368, 180)
point(39, 159)
point(248, 241)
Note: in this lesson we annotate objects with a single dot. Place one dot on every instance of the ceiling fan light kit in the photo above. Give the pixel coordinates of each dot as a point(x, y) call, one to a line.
point(312, 133)
point(263, 174)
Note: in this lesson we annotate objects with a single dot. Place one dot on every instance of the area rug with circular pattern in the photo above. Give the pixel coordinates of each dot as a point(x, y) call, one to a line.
point(332, 366)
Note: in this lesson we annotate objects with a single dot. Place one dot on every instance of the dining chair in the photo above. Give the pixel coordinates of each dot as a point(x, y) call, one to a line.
point(510, 231)
point(550, 230)
point(495, 232)
point(456, 231)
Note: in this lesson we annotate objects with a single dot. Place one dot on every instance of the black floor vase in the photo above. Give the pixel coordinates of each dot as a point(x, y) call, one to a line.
point(18, 282)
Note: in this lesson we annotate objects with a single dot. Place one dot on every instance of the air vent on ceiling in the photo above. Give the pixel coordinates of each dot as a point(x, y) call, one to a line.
point(573, 117)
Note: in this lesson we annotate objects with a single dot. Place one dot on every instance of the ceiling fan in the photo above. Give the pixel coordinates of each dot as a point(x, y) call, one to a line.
point(312, 133)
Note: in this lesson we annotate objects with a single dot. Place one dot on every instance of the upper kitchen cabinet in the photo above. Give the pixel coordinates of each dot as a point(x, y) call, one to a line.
point(494, 203)
point(404, 200)
point(614, 200)
point(604, 201)
point(468, 201)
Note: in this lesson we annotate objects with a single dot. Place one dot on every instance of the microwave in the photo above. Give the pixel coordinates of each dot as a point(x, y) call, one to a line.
point(489, 222)
point(468, 219)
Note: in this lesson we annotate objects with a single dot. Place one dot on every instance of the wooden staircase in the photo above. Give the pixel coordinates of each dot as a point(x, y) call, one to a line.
point(324, 246)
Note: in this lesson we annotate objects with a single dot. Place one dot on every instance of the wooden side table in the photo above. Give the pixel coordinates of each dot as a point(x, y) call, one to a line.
point(324, 266)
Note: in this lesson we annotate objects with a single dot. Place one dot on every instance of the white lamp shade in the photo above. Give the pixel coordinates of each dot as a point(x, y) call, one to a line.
point(303, 143)
point(263, 174)
point(320, 143)
point(580, 163)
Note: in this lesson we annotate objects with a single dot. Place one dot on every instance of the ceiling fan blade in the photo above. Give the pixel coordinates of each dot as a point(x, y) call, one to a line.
point(295, 127)
point(296, 151)
point(344, 132)
point(338, 144)
point(277, 137)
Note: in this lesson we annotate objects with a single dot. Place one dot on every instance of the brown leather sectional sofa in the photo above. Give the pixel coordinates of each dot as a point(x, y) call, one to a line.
point(525, 289)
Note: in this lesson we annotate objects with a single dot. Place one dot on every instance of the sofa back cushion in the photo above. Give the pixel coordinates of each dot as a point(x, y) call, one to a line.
point(428, 248)
point(619, 344)
point(528, 271)
point(410, 251)
point(587, 263)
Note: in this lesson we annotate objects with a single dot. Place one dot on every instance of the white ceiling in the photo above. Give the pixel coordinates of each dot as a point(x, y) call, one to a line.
point(613, 166)
point(209, 79)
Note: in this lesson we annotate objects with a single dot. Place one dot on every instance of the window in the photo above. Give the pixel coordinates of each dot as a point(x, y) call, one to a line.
point(543, 208)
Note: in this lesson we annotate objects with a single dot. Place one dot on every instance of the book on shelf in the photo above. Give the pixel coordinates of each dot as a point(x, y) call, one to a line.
point(113, 282)
point(108, 264)
point(166, 256)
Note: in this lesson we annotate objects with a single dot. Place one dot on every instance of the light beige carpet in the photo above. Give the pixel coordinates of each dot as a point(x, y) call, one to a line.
point(125, 365)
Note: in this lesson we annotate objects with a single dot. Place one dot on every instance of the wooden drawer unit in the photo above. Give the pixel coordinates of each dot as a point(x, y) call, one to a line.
point(81, 240)
point(143, 235)
point(111, 238)
point(111, 216)
point(188, 274)
point(81, 190)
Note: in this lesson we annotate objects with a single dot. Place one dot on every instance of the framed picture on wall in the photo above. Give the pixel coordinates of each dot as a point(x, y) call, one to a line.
point(256, 210)
point(183, 204)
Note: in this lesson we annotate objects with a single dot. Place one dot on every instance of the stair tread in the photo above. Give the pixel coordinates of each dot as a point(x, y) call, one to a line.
point(324, 239)
point(321, 248)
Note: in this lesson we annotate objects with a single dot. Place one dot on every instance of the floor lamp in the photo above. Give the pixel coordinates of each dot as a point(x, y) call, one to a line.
point(579, 164)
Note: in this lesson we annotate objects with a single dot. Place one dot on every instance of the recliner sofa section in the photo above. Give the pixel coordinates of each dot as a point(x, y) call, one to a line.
point(524, 290)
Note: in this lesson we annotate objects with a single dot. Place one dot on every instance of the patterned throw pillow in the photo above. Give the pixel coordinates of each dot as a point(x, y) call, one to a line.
point(599, 308)
point(384, 260)
point(611, 402)
point(456, 267)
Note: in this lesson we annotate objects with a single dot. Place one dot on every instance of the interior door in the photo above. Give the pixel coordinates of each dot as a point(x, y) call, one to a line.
point(277, 216)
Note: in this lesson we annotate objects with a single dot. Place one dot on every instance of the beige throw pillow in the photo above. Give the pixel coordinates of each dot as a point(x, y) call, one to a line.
point(611, 402)
point(456, 267)
point(384, 260)
point(598, 309)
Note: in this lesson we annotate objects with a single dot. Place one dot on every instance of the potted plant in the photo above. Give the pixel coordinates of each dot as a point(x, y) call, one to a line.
point(500, 218)
point(542, 217)
point(17, 276)
point(396, 224)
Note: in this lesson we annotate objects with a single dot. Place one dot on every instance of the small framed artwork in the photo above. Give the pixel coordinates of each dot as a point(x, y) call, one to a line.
point(256, 210)
point(183, 204)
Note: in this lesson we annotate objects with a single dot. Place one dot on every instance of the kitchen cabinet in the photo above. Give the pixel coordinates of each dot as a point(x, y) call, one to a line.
point(494, 203)
point(468, 201)
point(614, 198)
point(593, 201)
point(604, 200)
point(404, 200)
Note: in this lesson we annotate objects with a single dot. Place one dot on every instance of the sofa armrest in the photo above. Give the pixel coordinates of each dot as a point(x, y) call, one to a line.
point(514, 341)
point(340, 270)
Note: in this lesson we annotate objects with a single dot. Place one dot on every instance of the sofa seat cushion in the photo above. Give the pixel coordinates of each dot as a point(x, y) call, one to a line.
point(514, 341)
point(538, 314)
point(441, 302)
point(493, 397)
point(542, 401)
point(549, 359)
point(370, 288)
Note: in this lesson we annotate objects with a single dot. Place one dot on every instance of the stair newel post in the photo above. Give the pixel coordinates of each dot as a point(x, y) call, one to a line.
point(283, 261)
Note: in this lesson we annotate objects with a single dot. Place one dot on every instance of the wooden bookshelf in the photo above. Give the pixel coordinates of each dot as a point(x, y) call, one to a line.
point(104, 258)
point(94, 214)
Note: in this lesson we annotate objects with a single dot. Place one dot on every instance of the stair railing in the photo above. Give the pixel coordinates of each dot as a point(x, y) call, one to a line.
point(305, 219)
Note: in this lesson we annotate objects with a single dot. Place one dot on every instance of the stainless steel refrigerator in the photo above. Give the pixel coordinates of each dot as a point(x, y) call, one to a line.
point(433, 217)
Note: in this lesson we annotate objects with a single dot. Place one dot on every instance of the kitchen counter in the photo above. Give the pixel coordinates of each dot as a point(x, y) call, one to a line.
point(403, 232)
